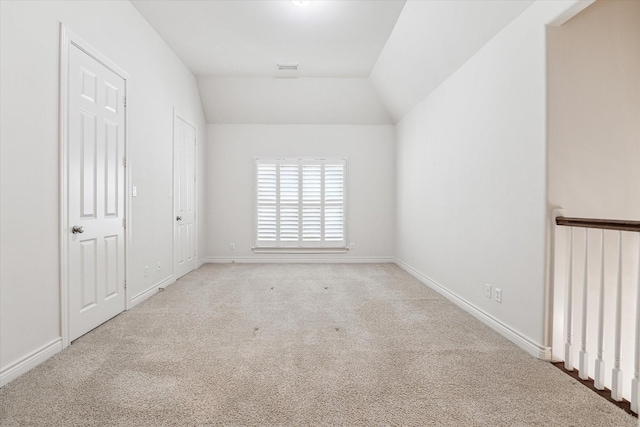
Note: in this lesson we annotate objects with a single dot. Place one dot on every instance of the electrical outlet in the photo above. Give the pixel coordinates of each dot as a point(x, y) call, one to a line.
point(498, 294)
point(134, 191)
point(146, 270)
point(352, 246)
point(232, 246)
point(487, 291)
point(158, 266)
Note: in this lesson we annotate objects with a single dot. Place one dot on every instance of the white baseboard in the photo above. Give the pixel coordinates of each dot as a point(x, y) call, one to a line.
point(151, 291)
point(296, 260)
point(531, 347)
point(30, 361)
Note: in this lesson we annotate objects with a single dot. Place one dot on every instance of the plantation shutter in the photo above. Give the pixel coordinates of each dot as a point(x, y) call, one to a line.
point(289, 200)
point(300, 203)
point(334, 203)
point(267, 194)
point(311, 202)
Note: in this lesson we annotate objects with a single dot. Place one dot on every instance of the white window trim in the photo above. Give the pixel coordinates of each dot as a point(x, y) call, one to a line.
point(292, 250)
point(321, 247)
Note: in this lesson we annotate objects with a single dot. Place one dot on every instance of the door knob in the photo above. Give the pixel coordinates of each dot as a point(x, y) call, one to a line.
point(178, 218)
point(77, 229)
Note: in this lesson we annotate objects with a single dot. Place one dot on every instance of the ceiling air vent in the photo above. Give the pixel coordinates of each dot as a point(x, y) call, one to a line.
point(285, 69)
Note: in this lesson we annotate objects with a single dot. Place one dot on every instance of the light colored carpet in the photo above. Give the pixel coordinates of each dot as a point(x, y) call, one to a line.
point(299, 345)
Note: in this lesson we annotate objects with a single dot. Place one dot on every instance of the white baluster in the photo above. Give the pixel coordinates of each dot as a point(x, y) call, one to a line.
point(616, 373)
point(568, 353)
point(583, 371)
point(635, 383)
point(598, 377)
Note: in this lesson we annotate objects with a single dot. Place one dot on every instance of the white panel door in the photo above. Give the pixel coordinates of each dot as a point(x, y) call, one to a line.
point(96, 193)
point(184, 139)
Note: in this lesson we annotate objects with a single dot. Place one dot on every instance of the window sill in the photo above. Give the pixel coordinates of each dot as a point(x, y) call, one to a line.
point(341, 250)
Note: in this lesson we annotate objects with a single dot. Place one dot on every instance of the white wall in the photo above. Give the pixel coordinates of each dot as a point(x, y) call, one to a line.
point(29, 288)
point(471, 183)
point(268, 100)
point(594, 158)
point(371, 175)
point(594, 112)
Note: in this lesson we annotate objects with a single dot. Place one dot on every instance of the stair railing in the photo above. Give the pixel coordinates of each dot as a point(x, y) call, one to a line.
point(587, 319)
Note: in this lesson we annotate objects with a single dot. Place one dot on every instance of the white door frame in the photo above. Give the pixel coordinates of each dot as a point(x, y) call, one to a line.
point(68, 38)
point(178, 115)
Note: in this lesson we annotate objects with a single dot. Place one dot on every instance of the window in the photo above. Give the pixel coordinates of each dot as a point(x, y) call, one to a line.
point(300, 203)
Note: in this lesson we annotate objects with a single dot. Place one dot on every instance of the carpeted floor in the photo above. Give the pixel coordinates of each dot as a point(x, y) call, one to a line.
point(299, 345)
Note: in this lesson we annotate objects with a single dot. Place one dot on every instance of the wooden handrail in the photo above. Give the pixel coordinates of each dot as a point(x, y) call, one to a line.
point(607, 224)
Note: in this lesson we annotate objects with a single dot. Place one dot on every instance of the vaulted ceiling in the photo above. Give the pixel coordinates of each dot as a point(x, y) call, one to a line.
point(360, 61)
point(431, 40)
point(247, 38)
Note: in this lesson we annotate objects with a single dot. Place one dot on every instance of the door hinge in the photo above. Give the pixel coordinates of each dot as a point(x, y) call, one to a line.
point(124, 162)
point(124, 222)
point(125, 284)
point(125, 102)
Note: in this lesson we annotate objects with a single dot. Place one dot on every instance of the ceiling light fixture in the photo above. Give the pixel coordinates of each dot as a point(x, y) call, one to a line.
point(301, 2)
